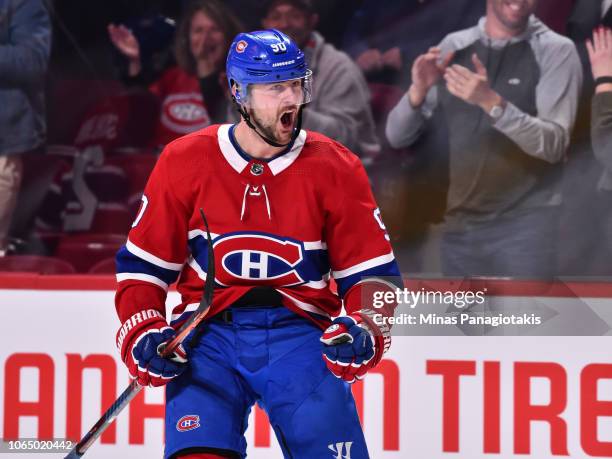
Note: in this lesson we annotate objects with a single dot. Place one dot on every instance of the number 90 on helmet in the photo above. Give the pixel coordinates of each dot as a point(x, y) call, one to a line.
point(264, 57)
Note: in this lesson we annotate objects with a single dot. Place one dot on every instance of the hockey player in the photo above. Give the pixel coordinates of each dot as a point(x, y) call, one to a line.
point(286, 208)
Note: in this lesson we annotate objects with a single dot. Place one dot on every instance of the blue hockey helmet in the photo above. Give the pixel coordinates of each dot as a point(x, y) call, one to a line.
point(265, 56)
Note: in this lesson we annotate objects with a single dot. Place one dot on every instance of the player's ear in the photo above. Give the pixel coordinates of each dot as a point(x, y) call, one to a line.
point(234, 88)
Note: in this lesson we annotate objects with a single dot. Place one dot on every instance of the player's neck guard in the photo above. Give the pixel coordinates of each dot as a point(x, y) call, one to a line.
point(247, 119)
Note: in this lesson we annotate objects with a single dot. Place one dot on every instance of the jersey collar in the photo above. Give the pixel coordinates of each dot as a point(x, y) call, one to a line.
point(239, 162)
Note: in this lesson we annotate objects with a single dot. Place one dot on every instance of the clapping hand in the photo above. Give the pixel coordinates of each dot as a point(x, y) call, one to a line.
point(125, 41)
point(471, 86)
point(600, 55)
point(427, 71)
point(127, 44)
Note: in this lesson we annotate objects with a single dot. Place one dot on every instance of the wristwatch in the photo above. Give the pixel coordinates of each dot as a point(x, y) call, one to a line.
point(496, 112)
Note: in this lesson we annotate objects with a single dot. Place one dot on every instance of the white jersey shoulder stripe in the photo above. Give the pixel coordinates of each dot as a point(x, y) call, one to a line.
point(371, 263)
point(142, 277)
point(146, 256)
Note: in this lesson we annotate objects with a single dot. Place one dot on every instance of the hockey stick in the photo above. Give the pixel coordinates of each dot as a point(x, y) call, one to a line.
point(164, 351)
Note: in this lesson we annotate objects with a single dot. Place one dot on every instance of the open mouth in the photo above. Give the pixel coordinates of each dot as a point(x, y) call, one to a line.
point(287, 118)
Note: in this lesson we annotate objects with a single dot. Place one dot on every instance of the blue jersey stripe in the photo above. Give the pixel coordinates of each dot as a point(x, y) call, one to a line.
point(127, 262)
point(390, 269)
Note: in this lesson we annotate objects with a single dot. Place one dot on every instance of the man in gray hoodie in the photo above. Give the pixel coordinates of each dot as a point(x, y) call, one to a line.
point(508, 88)
point(25, 43)
point(341, 109)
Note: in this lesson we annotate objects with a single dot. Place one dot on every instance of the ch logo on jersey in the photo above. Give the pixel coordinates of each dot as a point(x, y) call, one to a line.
point(247, 258)
point(188, 422)
point(342, 450)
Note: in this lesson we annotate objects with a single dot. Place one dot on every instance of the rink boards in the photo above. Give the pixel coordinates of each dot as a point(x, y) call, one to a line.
point(432, 397)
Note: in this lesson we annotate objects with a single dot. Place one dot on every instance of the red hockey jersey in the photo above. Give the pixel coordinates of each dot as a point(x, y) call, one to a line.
point(182, 109)
point(288, 223)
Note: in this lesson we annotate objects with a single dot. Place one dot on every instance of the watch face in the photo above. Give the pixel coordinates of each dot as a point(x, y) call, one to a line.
point(496, 112)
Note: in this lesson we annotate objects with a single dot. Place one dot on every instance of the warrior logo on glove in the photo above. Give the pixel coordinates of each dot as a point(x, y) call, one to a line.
point(139, 340)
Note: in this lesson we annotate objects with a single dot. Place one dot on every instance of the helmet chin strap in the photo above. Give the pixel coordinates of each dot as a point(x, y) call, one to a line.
point(247, 119)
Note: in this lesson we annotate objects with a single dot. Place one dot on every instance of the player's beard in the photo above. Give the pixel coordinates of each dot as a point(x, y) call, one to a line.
point(268, 130)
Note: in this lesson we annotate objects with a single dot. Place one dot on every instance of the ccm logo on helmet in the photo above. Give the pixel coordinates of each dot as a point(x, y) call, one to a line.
point(247, 258)
point(241, 46)
point(188, 422)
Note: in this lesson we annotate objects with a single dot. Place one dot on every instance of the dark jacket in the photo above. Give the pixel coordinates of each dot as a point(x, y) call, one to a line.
point(25, 43)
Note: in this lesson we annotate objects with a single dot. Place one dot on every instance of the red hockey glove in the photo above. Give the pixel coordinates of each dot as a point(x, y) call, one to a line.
point(139, 338)
point(362, 345)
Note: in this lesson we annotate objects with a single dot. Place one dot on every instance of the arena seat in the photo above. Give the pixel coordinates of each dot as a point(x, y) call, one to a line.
point(106, 266)
point(95, 193)
point(86, 249)
point(137, 167)
point(125, 119)
point(69, 100)
point(108, 218)
point(35, 264)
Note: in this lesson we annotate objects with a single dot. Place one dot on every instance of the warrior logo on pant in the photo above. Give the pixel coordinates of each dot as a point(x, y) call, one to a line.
point(340, 448)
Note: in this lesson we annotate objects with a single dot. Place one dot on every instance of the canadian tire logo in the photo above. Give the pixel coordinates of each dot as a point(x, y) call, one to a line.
point(188, 422)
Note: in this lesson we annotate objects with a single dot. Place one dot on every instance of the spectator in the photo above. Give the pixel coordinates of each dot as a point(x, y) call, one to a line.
point(25, 44)
point(341, 108)
point(385, 40)
point(509, 95)
point(586, 16)
point(583, 227)
point(600, 56)
point(192, 94)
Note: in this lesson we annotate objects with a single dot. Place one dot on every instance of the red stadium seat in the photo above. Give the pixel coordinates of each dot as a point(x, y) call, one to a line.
point(70, 99)
point(35, 264)
point(125, 119)
point(137, 167)
point(107, 218)
point(87, 249)
point(106, 266)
